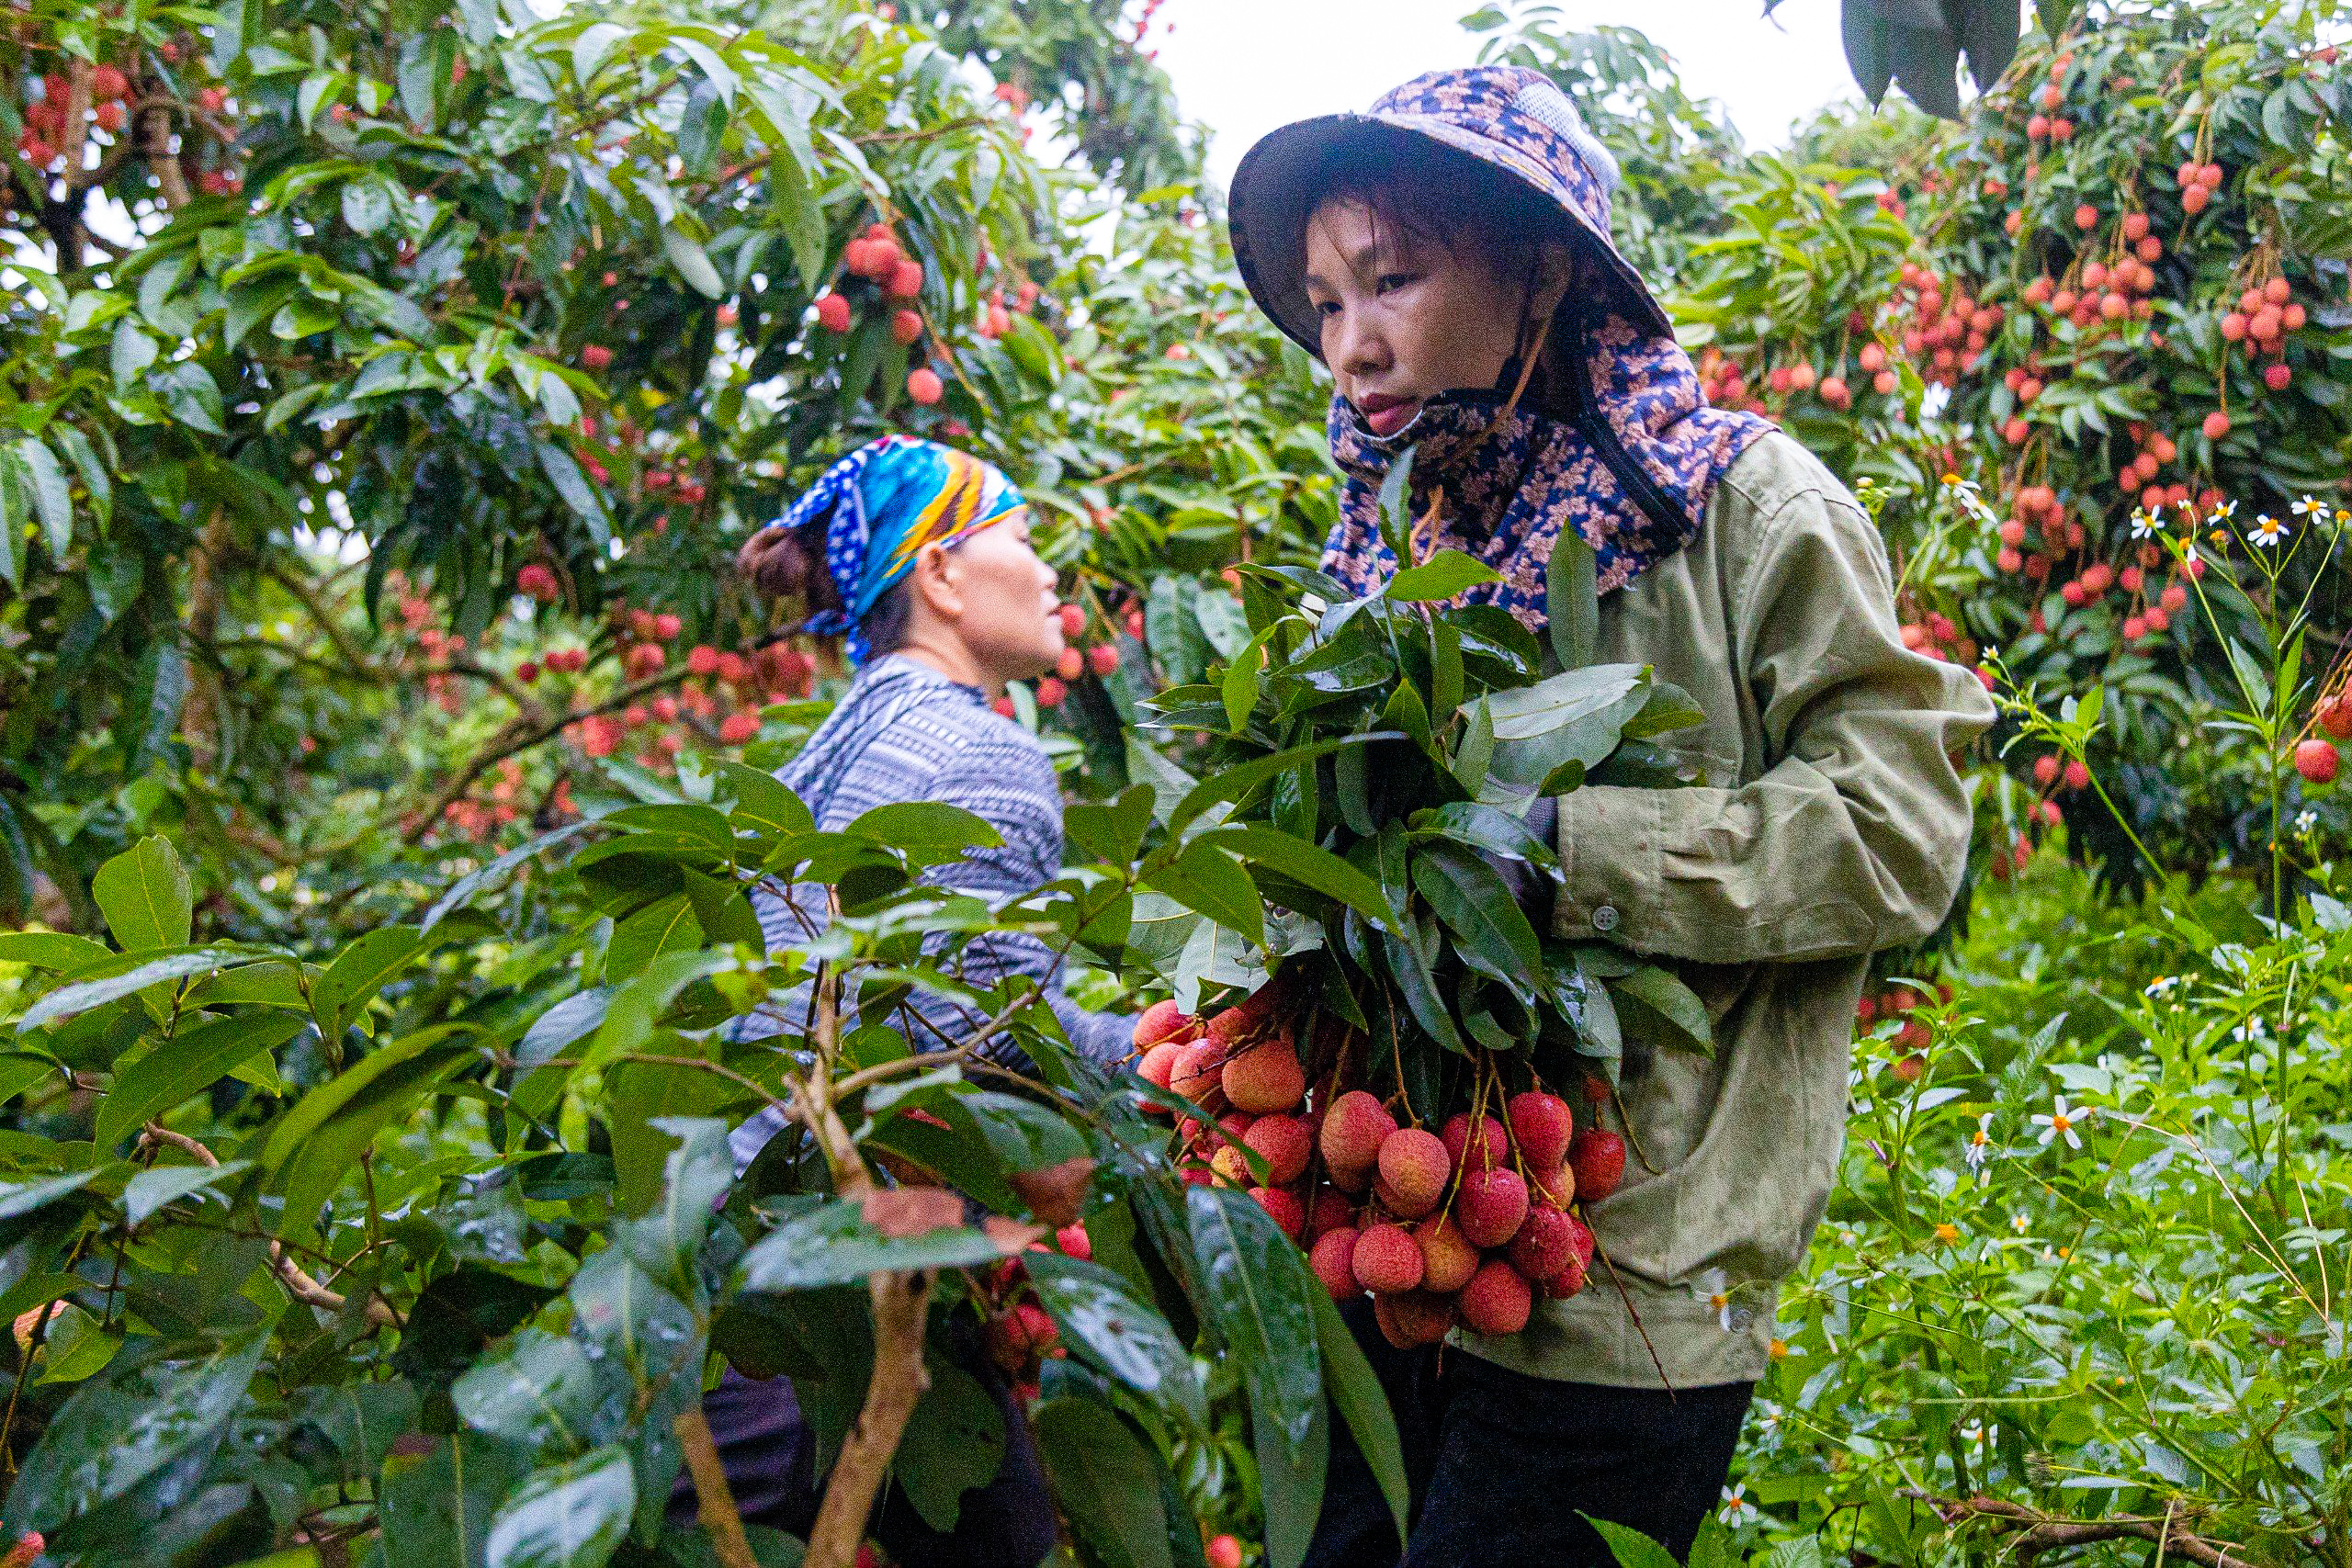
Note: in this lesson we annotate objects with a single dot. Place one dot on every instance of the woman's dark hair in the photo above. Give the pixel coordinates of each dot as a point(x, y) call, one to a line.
point(789, 564)
point(1473, 210)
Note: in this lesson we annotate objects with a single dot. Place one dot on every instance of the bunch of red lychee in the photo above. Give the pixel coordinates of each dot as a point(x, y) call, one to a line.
point(1467, 1225)
point(1021, 1335)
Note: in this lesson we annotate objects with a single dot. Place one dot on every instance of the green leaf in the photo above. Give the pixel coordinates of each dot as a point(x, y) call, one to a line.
point(1669, 1012)
point(566, 1515)
point(1441, 576)
point(1107, 1481)
point(366, 206)
point(124, 1425)
point(541, 1391)
point(927, 823)
point(84, 995)
point(1471, 898)
point(833, 1244)
point(341, 993)
point(954, 1442)
point(190, 396)
point(176, 1070)
point(462, 892)
point(1357, 1395)
point(563, 472)
point(1209, 881)
point(50, 950)
point(1291, 1472)
point(1231, 783)
point(144, 893)
point(762, 801)
point(1485, 827)
point(94, 477)
point(693, 263)
point(152, 1188)
point(1629, 1546)
point(1261, 1297)
point(51, 496)
point(1309, 866)
point(19, 1198)
point(1572, 600)
point(1101, 1319)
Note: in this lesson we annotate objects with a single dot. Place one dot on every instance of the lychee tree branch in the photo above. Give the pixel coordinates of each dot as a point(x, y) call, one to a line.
point(2041, 1532)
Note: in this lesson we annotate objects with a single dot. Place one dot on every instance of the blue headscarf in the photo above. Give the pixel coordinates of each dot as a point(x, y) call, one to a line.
point(880, 506)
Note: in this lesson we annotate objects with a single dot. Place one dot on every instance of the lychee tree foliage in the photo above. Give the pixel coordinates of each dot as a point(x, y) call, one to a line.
point(2115, 291)
point(521, 312)
point(420, 1249)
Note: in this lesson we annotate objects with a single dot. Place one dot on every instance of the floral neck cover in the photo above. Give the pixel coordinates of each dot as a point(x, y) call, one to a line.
point(1630, 473)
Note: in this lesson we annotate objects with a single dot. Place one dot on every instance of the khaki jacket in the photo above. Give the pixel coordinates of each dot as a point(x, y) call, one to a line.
point(1833, 824)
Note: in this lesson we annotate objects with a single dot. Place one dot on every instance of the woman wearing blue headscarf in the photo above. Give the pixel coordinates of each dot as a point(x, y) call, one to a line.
point(917, 557)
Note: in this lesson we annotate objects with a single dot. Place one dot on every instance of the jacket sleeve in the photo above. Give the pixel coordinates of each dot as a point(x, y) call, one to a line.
point(1855, 836)
point(1013, 789)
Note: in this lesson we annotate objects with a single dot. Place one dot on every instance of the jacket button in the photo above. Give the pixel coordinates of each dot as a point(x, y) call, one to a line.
point(1604, 918)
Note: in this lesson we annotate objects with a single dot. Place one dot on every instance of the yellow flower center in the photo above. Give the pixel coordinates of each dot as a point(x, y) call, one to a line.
point(1777, 1350)
point(2061, 1122)
point(1947, 1233)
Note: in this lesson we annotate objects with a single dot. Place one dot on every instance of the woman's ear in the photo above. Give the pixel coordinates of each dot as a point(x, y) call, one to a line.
point(938, 582)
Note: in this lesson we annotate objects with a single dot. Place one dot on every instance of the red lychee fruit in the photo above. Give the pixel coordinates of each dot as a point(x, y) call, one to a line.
point(701, 660)
point(2336, 715)
point(1287, 1211)
point(1465, 1151)
point(1222, 1551)
point(1074, 1242)
point(1497, 1299)
point(1070, 664)
point(1542, 1245)
point(2316, 759)
point(596, 356)
point(905, 326)
point(2215, 426)
point(1556, 1186)
point(1283, 1141)
point(1413, 1168)
point(924, 386)
point(1073, 621)
point(1491, 1205)
point(1329, 1212)
point(738, 727)
point(1448, 1260)
point(1163, 1020)
point(536, 581)
point(1417, 1317)
point(1265, 1077)
point(1333, 1259)
point(1541, 1124)
point(1159, 1064)
point(905, 280)
point(832, 311)
point(1386, 1259)
point(1353, 1130)
point(1598, 1159)
point(1103, 658)
point(1196, 1076)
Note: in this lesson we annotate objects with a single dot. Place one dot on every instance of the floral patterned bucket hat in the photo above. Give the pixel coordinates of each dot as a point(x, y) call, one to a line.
point(1509, 117)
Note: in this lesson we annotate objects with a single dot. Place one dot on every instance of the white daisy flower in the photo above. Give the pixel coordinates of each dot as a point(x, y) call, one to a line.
point(2249, 1032)
point(2161, 984)
point(1980, 1142)
point(1737, 1510)
point(2060, 1122)
point(2309, 508)
point(1976, 1433)
point(2268, 530)
point(1715, 1290)
point(2019, 1223)
point(2144, 523)
point(2305, 820)
point(2226, 510)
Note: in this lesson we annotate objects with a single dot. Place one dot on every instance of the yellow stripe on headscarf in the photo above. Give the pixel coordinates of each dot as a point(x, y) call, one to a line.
point(953, 512)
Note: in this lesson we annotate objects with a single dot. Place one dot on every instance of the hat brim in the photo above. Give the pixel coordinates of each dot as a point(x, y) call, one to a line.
point(1274, 194)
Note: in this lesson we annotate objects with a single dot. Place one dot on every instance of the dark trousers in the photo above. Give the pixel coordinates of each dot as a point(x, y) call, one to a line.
point(1501, 1464)
point(770, 1456)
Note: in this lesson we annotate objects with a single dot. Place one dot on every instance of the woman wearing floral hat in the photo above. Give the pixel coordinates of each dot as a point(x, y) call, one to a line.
point(1447, 257)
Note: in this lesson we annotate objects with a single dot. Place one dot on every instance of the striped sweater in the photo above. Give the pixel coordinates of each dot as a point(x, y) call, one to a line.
point(904, 731)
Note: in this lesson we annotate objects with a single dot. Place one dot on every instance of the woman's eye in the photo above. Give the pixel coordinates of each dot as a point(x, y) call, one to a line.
point(1326, 307)
point(1388, 280)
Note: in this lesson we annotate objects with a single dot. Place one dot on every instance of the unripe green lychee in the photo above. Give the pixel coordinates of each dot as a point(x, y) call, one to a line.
point(1386, 1259)
point(1413, 1168)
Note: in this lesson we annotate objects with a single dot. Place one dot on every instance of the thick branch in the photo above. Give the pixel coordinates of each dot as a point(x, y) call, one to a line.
point(2039, 1532)
point(299, 1284)
point(155, 150)
point(900, 1303)
point(716, 1503)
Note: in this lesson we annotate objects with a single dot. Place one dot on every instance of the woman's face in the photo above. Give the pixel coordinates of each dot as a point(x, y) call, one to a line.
point(998, 597)
point(1404, 317)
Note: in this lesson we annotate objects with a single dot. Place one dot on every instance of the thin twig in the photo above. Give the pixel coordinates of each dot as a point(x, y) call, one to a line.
point(716, 1503)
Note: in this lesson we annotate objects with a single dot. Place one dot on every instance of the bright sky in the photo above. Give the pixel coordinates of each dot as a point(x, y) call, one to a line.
point(1242, 67)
